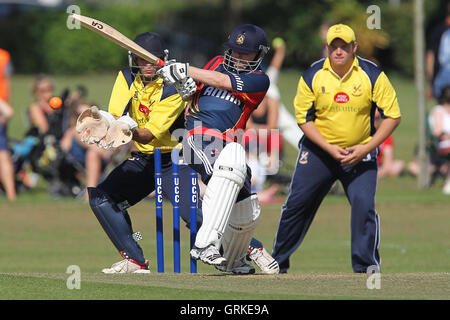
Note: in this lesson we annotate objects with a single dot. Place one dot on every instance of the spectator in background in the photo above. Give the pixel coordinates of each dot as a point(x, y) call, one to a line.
point(323, 36)
point(438, 57)
point(440, 129)
point(5, 75)
point(6, 112)
point(6, 166)
point(286, 121)
point(271, 114)
point(40, 112)
point(438, 142)
point(54, 156)
point(46, 125)
point(263, 140)
point(387, 165)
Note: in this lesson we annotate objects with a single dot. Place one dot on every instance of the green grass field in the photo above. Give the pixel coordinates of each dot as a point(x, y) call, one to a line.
point(41, 237)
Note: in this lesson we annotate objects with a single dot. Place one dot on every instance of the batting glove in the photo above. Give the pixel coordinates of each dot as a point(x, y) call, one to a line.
point(120, 132)
point(186, 87)
point(173, 72)
point(92, 124)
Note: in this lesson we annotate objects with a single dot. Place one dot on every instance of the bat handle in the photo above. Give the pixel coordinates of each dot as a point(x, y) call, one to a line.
point(160, 63)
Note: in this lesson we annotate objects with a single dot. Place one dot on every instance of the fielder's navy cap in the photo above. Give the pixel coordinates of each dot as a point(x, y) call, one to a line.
point(152, 42)
point(247, 38)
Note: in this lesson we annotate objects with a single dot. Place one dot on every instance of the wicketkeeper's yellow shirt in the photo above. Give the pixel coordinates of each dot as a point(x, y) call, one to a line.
point(343, 109)
point(155, 106)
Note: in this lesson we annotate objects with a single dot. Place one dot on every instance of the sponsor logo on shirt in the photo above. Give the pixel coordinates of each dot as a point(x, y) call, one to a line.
point(221, 94)
point(344, 109)
point(341, 97)
point(239, 82)
point(357, 92)
point(144, 109)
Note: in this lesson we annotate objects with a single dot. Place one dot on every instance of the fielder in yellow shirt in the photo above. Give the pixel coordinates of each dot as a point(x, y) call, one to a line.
point(335, 107)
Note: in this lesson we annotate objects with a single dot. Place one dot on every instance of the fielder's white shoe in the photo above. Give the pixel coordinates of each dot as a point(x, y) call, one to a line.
point(127, 266)
point(209, 255)
point(241, 268)
point(263, 260)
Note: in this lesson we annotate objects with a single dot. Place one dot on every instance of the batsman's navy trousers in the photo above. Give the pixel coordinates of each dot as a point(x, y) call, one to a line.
point(134, 179)
point(315, 173)
point(202, 151)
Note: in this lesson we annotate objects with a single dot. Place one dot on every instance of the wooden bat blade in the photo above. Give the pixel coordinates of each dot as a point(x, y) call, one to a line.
point(112, 34)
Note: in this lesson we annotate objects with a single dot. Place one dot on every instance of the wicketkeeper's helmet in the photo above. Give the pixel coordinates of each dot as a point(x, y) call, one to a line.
point(153, 43)
point(246, 38)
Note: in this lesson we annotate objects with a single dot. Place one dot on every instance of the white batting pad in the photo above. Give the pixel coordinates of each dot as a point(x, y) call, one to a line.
point(228, 177)
point(241, 226)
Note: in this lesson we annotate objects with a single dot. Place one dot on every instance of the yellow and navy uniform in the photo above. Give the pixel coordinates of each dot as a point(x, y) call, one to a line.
point(343, 109)
point(155, 106)
point(160, 109)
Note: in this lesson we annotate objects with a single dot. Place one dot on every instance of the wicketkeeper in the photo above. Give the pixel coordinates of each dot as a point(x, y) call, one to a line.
point(144, 109)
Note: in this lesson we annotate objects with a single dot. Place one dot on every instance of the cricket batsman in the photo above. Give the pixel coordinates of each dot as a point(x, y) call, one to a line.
point(230, 87)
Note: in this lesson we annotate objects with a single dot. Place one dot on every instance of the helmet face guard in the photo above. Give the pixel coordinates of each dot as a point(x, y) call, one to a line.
point(153, 43)
point(147, 72)
point(236, 65)
point(246, 38)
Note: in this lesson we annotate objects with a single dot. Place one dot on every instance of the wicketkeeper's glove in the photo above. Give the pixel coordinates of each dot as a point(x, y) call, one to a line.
point(120, 132)
point(186, 87)
point(174, 72)
point(92, 124)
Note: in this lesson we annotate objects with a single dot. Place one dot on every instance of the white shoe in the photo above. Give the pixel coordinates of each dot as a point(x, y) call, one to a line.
point(263, 260)
point(241, 268)
point(127, 266)
point(209, 255)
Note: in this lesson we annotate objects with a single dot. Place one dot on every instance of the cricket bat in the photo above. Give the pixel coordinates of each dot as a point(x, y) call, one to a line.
point(112, 34)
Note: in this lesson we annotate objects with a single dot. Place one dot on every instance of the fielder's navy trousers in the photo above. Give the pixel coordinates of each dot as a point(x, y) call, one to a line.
point(315, 173)
point(134, 179)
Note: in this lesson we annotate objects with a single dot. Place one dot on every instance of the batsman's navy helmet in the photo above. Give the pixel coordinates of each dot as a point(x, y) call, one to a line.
point(246, 38)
